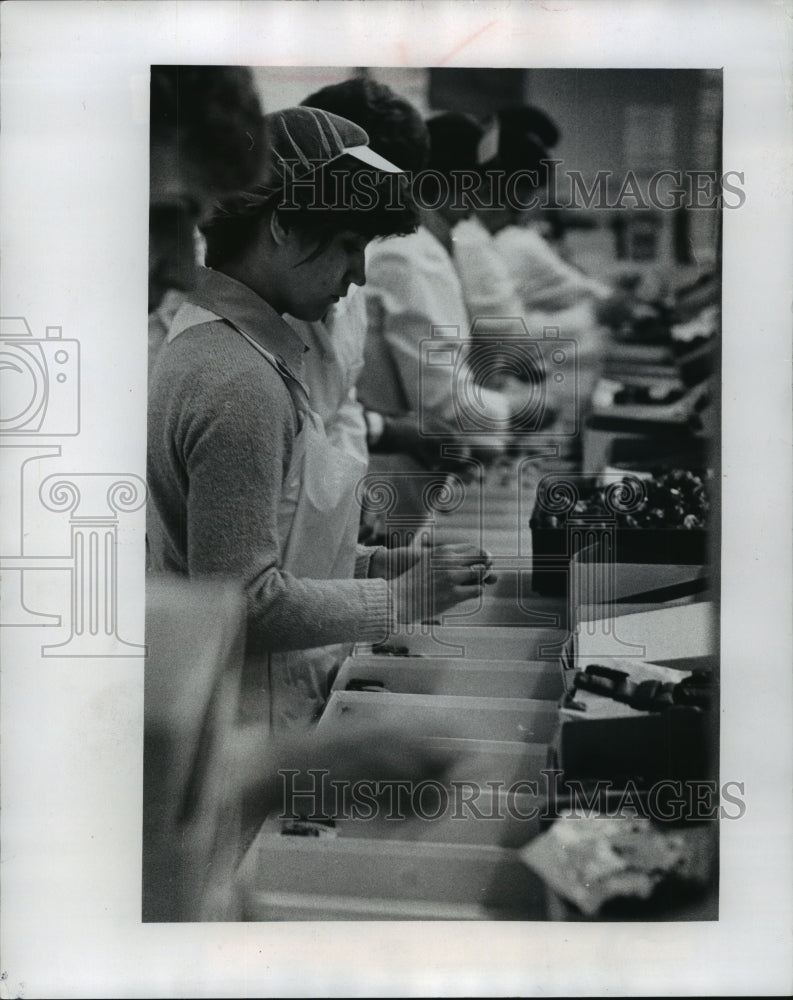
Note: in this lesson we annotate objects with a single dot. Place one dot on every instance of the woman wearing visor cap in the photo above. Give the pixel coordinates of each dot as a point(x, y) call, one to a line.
point(243, 482)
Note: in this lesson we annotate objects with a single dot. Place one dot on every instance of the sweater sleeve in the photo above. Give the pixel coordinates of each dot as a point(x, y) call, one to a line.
point(236, 446)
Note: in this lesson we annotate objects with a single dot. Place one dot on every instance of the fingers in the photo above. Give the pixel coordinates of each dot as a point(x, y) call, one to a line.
point(463, 572)
point(468, 591)
point(462, 552)
point(464, 566)
point(463, 577)
point(477, 576)
point(471, 569)
point(468, 582)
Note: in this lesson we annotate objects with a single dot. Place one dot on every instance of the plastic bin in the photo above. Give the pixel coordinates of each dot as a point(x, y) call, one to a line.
point(291, 878)
point(422, 675)
point(511, 719)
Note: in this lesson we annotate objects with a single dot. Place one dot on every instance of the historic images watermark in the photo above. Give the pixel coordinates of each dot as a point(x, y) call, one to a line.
point(551, 186)
point(315, 797)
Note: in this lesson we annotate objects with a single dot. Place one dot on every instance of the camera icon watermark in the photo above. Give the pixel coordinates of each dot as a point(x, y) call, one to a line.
point(39, 381)
point(464, 375)
point(40, 403)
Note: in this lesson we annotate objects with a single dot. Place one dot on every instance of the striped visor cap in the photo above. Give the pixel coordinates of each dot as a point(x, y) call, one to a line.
point(302, 140)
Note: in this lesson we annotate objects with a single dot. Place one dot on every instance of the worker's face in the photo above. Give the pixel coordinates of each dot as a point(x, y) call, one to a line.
point(314, 283)
point(179, 198)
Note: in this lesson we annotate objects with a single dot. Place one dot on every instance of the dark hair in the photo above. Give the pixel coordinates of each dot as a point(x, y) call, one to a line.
point(528, 120)
point(214, 114)
point(454, 142)
point(236, 223)
point(526, 136)
point(395, 127)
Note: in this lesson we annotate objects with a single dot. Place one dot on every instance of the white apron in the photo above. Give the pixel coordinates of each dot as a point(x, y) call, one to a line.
point(318, 520)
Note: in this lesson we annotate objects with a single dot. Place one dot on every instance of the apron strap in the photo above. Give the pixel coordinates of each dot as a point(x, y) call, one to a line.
point(189, 315)
point(295, 387)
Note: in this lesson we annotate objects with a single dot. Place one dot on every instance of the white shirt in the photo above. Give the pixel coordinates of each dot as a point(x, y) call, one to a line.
point(544, 280)
point(414, 299)
point(488, 287)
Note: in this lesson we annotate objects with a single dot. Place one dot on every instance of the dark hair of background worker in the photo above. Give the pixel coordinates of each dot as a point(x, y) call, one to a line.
point(206, 141)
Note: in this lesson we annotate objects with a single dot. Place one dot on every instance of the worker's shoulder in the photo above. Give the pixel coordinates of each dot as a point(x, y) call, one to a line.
point(213, 356)
point(404, 261)
point(521, 238)
point(400, 247)
point(470, 232)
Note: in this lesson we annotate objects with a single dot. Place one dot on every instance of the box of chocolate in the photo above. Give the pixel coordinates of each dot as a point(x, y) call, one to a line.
point(618, 518)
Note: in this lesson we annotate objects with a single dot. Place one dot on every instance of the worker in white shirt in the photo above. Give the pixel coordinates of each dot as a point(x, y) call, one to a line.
point(490, 291)
point(508, 268)
point(545, 281)
point(419, 326)
point(396, 131)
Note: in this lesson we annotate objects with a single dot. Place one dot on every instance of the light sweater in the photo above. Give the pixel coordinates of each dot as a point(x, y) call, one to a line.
point(220, 433)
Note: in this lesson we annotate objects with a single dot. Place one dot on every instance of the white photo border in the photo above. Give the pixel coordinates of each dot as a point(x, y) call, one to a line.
point(74, 86)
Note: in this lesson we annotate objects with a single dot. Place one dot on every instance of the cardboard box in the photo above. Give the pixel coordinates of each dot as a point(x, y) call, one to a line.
point(604, 738)
point(648, 454)
point(601, 431)
point(553, 548)
point(641, 747)
point(684, 637)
